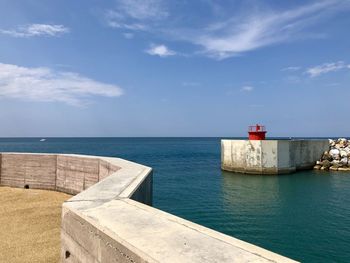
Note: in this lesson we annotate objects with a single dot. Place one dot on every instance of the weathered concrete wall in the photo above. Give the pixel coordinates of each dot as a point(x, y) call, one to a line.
point(104, 223)
point(270, 156)
point(306, 152)
point(269, 164)
point(74, 174)
point(286, 159)
point(38, 171)
point(240, 154)
point(65, 173)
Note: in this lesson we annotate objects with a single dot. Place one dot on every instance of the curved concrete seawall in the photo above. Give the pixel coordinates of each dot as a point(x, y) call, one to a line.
point(110, 220)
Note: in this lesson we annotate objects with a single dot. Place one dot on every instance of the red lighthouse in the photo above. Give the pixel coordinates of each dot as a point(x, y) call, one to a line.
point(257, 132)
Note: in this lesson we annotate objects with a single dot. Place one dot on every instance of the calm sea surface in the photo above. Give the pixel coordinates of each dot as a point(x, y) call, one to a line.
point(305, 216)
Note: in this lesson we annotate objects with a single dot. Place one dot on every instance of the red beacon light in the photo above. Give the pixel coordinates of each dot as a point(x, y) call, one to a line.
point(257, 132)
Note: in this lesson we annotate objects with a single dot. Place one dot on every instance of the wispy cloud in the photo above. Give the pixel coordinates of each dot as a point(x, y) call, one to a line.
point(247, 88)
point(292, 68)
point(326, 68)
point(231, 35)
point(255, 30)
point(46, 85)
point(34, 30)
point(135, 14)
point(160, 50)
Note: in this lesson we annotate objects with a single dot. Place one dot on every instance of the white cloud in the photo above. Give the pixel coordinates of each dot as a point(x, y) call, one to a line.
point(34, 30)
point(46, 85)
point(247, 88)
point(160, 50)
point(143, 9)
point(136, 14)
point(128, 26)
point(325, 68)
point(255, 30)
point(233, 33)
point(293, 68)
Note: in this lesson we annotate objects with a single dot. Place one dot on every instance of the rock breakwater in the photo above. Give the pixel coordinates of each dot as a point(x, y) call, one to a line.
point(337, 158)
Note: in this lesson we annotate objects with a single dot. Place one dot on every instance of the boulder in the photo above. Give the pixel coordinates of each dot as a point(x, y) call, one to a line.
point(335, 162)
point(334, 152)
point(342, 143)
point(344, 161)
point(317, 167)
point(327, 156)
point(343, 153)
point(326, 164)
point(337, 158)
point(342, 140)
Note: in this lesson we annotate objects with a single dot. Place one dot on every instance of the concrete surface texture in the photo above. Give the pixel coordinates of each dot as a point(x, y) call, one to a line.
point(270, 156)
point(110, 221)
point(65, 173)
point(30, 225)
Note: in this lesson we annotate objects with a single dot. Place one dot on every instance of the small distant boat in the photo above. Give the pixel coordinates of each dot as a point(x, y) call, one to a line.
point(42, 140)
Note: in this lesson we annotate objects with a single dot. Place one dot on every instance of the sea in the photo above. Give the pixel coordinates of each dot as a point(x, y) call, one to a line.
point(304, 216)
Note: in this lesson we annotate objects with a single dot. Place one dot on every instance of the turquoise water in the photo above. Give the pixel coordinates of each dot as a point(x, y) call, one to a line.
point(305, 216)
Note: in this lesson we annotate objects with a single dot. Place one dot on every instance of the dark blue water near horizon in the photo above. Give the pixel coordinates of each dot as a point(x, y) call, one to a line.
point(304, 216)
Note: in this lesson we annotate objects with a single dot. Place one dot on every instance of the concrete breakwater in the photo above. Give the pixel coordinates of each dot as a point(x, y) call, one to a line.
point(337, 157)
point(270, 156)
point(108, 220)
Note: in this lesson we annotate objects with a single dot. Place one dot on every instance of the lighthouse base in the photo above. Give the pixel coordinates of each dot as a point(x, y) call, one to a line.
point(270, 156)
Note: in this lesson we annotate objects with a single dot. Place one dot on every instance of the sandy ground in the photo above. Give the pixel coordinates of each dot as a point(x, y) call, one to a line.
point(30, 225)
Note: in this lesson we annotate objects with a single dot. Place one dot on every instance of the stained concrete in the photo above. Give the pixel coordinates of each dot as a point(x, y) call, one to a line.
point(270, 156)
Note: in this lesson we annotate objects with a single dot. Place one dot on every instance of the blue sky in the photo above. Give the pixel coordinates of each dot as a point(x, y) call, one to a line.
point(174, 68)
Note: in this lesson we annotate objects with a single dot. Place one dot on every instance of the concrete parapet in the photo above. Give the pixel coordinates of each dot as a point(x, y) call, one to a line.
point(270, 156)
point(109, 221)
point(70, 174)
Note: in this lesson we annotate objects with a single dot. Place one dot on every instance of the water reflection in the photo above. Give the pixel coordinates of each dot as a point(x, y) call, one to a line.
point(253, 194)
point(296, 215)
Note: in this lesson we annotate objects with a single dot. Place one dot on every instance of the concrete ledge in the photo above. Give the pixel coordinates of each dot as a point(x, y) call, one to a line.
point(109, 221)
point(270, 156)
